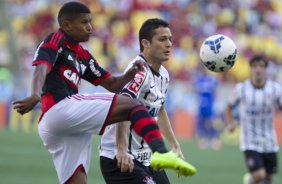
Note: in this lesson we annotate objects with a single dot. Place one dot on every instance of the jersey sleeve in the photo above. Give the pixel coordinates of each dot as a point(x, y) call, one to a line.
point(49, 49)
point(134, 87)
point(94, 73)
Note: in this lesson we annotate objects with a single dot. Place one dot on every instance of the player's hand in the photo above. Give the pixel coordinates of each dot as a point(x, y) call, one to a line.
point(124, 161)
point(140, 65)
point(26, 105)
point(231, 126)
point(137, 66)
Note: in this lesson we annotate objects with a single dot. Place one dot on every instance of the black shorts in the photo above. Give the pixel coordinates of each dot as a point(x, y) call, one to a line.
point(140, 175)
point(255, 160)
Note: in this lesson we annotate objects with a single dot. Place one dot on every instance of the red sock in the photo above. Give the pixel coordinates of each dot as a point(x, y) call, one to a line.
point(146, 126)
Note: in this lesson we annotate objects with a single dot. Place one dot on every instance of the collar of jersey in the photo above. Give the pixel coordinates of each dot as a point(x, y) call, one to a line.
point(258, 87)
point(70, 42)
point(152, 70)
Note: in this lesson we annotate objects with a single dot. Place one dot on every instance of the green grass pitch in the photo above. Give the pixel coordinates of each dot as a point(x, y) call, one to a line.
point(24, 160)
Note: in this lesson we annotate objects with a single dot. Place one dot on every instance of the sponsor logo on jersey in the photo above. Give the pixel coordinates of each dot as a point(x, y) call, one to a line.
point(138, 80)
point(154, 111)
point(72, 76)
point(144, 155)
point(93, 68)
point(79, 67)
point(263, 111)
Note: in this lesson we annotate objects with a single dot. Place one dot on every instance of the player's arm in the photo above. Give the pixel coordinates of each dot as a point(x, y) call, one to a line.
point(44, 59)
point(279, 96)
point(231, 124)
point(233, 102)
point(116, 83)
point(124, 159)
point(166, 129)
point(27, 104)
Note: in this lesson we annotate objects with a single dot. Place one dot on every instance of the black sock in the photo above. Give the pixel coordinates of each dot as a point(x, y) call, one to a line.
point(157, 145)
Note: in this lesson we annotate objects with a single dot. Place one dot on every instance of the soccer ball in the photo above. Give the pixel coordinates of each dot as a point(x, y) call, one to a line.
point(218, 53)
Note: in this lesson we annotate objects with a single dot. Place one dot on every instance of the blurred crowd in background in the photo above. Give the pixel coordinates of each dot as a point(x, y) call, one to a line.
point(254, 25)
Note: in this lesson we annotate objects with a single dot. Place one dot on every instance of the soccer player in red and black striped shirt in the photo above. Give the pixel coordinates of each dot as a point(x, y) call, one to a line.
point(69, 119)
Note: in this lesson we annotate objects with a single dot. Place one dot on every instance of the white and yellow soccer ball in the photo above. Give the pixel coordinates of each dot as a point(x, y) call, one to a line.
point(218, 53)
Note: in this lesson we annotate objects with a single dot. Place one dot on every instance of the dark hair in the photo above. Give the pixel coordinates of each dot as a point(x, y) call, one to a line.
point(147, 29)
point(257, 58)
point(70, 10)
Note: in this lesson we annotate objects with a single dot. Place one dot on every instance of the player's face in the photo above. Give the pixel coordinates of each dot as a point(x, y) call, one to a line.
point(161, 44)
point(80, 29)
point(258, 71)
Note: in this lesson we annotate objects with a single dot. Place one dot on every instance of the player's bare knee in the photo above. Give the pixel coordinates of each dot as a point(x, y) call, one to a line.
point(131, 103)
point(122, 108)
point(135, 103)
point(259, 176)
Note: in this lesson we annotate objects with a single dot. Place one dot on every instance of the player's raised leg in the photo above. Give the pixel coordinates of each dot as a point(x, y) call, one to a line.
point(144, 125)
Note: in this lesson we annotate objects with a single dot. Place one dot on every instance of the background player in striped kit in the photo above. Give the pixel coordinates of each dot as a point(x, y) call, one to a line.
point(257, 99)
point(70, 119)
point(129, 161)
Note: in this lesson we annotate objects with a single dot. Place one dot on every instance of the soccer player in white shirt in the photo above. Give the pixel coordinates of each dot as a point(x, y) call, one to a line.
point(124, 156)
point(257, 99)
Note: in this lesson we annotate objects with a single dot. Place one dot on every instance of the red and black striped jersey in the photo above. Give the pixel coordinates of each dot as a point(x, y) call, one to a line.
point(68, 62)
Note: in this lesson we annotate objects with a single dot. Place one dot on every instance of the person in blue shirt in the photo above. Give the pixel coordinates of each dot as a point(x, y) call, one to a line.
point(206, 86)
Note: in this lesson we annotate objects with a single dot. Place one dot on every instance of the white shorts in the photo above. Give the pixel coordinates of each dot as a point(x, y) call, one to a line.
point(66, 130)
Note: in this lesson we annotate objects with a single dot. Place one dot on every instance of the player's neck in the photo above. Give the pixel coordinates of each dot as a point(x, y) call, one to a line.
point(258, 83)
point(156, 67)
point(153, 64)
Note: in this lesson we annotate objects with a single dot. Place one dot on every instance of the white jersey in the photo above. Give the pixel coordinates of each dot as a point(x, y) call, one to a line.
point(150, 88)
point(256, 111)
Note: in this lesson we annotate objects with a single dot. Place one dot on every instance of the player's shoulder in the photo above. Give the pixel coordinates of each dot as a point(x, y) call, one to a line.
point(241, 84)
point(164, 72)
point(274, 84)
point(55, 38)
point(136, 59)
